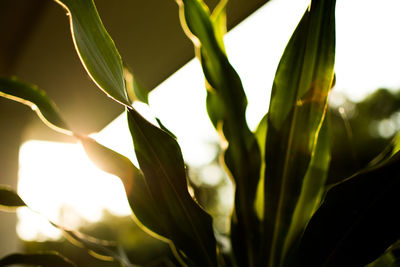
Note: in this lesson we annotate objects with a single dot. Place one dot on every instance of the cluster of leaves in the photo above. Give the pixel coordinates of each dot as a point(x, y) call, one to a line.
point(282, 214)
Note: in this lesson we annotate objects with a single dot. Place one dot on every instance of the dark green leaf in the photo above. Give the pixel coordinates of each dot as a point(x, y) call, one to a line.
point(312, 188)
point(37, 99)
point(100, 249)
point(140, 200)
point(298, 103)
point(182, 220)
point(48, 259)
point(226, 106)
point(387, 259)
point(357, 221)
point(96, 49)
point(9, 199)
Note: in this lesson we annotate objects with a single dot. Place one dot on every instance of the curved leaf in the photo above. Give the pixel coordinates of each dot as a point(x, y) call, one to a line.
point(101, 249)
point(140, 200)
point(9, 199)
point(134, 89)
point(357, 221)
point(35, 98)
point(96, 49)
point(182, 220)
point(48, 259)
point(226, 106)
point(110, 161)
point(218, 18)
point(297, 109)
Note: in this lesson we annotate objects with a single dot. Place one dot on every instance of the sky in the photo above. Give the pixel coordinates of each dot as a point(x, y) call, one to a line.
point(367, 58)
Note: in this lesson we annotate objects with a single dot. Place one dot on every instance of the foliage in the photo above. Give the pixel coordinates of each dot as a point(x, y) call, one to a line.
point(284, 213)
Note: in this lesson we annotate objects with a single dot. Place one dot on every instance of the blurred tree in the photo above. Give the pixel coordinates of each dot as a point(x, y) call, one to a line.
point(360, 131)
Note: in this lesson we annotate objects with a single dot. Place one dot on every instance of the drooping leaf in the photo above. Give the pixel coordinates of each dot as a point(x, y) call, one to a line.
point(48, 259)
point(357, 221)
point(134, 88)
point(226, 106)
point(110, 161)
point(96, 49)
point(9, 199)
point(35, 98)
point(100, 249)
point(182, 220)
point(140, 200)
point(297, 109)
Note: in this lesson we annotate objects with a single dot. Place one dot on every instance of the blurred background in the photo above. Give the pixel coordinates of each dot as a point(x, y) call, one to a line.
point(55, 178)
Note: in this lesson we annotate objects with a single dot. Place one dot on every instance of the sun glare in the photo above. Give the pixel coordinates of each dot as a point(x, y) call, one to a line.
point(60, 182)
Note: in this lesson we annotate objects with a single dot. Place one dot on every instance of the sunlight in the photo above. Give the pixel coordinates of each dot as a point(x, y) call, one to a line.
point(61, 183)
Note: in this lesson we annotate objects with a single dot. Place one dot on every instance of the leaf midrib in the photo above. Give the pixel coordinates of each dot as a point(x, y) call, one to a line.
point(287, 158)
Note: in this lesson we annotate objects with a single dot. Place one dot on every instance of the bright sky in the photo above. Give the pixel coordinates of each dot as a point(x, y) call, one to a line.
point(368, 57)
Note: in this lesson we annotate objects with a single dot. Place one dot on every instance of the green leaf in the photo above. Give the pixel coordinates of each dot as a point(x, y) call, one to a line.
point(226, 106)
point(218, 18)
point(261, 135)
point(357, 221)
point(35, 98)
point(9, 199)
point(396, 144)
point(134, 88)
point(48, 259)
point(387, 259)
point(96, 49)
point(312, 188)
point(182, 220)
point(110, 161)
point(139, 197)
point(297, 109)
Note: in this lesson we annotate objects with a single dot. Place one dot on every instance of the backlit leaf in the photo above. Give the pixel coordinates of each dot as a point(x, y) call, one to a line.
point(312, 188)
point(110, 161)
point(140, 200)
point(35, 98)
point(100, 249)
point(297, 109)
point(96, 49)
point(218, 18)
point(182, 220)
point(9, 199)
point(226, 106)
point(48, 259)
point(134, 88)
point(261, 135)
point(357, 221)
